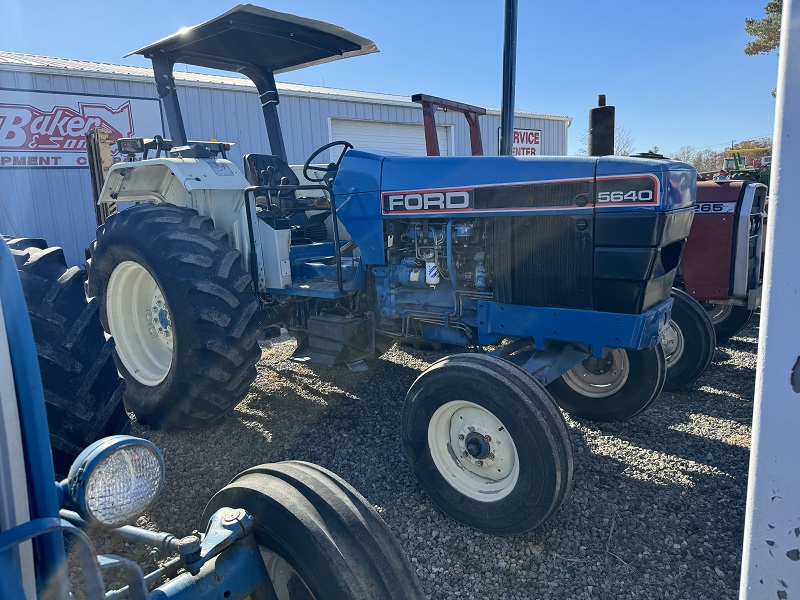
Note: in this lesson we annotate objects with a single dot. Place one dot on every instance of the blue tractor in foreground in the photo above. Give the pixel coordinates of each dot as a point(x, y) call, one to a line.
point(556, 271)
point(280, 531)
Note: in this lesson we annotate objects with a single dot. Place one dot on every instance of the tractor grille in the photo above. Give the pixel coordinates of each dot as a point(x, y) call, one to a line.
point(542, 261)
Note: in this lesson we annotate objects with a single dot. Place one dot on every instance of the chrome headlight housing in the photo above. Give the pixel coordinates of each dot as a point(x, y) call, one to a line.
point(116, 479)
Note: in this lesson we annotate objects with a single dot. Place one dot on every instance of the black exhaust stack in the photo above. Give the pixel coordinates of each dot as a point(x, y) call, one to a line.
point(601, 128)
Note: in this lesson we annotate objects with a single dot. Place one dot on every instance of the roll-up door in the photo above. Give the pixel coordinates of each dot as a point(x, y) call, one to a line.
point(403, 138)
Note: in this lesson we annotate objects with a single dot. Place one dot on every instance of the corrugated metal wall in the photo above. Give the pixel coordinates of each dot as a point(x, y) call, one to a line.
point(55, 203)
point(234, 115)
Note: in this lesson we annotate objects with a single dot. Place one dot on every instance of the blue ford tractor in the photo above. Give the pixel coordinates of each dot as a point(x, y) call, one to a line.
point(280, 531)
point(556, 271)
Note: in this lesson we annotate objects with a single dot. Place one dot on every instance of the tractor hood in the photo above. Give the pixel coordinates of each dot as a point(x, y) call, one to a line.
point(570, 231)
point(248, 37)
point(506, 182)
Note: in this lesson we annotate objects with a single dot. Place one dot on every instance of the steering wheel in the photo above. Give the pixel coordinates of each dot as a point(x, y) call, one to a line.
point(331, 168)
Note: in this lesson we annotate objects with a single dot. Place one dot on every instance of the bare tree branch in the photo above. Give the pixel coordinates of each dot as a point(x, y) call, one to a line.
point(624, 142)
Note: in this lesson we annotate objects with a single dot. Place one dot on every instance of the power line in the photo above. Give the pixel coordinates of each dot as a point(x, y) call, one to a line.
point(753, 137)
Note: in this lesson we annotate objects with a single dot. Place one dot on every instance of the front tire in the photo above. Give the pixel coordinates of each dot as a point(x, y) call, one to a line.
point(616, 387)
point(487, 443)
point(318, 536)
point(179, 303)
point(82, 390)
point(728, 319)
point(688, 341)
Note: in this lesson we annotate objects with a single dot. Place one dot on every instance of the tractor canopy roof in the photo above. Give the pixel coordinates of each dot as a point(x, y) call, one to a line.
point(249, 36)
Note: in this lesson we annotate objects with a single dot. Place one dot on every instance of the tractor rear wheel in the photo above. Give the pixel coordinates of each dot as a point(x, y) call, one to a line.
point(179, 303)
point(616, 387)
point(688, 341)
point(728, 319)
point(318, 536)
point(82, 390)
point(487, 443)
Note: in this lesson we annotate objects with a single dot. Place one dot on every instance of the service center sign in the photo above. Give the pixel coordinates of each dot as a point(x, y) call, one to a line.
point(527, 142)
point(41, 129)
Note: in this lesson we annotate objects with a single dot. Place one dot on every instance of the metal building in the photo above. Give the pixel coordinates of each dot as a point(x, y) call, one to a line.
point(46, 104)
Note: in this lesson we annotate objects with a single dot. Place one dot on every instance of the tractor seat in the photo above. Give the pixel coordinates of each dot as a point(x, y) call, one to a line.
point(271, 170)
point(268, 169)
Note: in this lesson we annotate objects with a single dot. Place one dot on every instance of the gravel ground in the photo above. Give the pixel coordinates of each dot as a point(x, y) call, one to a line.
point(656, 510)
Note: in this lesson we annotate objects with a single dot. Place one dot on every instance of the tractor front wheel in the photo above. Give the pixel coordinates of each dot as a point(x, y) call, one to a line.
point(179, 304)
point(319, 538)
point(688, 341)
point(487, 443)
point(728, 319)
point(616, 387)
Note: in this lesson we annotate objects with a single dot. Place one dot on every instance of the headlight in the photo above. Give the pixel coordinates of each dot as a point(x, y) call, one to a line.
point(130, 145)
point(116, 479)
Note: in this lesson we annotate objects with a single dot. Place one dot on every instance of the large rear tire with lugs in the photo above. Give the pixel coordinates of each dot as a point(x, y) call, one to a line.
point(179, 303)
point(82, 390)
point(318, 537)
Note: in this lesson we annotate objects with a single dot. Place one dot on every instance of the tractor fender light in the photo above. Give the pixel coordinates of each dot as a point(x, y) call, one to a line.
point(130, 145)
point(116, 479)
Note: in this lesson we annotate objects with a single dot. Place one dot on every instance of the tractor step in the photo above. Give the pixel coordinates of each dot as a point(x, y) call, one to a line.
point(318, 280)
point(314, 288)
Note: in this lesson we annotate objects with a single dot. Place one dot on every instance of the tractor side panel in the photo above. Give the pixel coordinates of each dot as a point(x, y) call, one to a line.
point(543, 261)
point(641, 224)
point(541, 258)
point(358, 203)
point(706, 263)
point(361, 215)
point(636, 258)
point(538, 215)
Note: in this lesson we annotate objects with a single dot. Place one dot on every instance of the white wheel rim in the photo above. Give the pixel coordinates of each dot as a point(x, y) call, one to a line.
point(673, 343)
point(280, 573)
point(459, 428)
point(718, 312)
point(140, 322)
point(602, 377)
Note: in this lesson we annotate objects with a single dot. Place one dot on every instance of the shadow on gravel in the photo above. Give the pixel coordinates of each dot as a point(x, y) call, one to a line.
point(656, 510)
point(656, 436)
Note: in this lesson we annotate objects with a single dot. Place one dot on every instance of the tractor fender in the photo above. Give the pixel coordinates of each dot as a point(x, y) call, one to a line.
point(212, 187)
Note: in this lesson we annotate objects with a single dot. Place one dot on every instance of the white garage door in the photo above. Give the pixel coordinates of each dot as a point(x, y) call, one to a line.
point(403, 138)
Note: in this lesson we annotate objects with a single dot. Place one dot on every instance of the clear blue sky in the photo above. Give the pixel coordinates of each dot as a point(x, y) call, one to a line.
point(675, 70)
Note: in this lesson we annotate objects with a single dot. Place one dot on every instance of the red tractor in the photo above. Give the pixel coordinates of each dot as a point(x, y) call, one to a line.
point(721, 263)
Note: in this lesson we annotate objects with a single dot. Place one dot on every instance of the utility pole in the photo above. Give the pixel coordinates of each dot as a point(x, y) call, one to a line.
point(509, 78)
point(771, 553)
